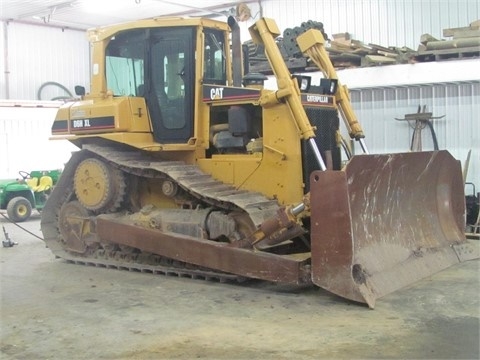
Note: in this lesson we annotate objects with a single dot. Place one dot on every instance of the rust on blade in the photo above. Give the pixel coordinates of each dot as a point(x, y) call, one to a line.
point(332, 244)
point(385, 222)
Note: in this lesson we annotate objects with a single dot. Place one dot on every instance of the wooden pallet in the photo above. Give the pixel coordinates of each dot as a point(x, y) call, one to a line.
point(445, 54)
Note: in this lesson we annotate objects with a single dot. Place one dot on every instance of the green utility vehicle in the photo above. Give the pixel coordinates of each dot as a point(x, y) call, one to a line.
point(20, 196)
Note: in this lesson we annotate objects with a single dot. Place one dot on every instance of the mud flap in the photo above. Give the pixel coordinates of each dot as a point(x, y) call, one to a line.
point(385, 222)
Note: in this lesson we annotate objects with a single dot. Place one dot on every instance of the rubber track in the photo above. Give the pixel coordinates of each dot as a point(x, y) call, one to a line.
point(179, 270)
point(190, 177)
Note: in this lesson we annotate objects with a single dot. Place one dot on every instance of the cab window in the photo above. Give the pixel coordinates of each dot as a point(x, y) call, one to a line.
point(214, 71)
point(125, 64)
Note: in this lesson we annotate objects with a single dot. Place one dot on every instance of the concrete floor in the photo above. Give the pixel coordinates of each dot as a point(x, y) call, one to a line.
point(54, 310)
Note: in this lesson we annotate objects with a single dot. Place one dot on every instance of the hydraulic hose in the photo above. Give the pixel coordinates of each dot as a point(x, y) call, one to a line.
point(53, 83)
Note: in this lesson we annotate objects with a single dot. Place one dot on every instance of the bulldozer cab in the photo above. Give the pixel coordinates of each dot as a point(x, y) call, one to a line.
point(159, 64)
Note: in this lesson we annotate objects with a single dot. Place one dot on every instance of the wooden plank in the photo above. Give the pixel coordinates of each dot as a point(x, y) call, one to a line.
point(332, 50)
point(387, 54)
point(346, 60)
point(425, 38)
point(422, 47)
point(344, 38)
point(346, 56)
point(448, 44)
point(361, 52)
point(403, 49)
point(361, 45)
point(472, 236)
point(379, 48)
point(369, 60)
point(450, 32)
point(379, 59)
point(339, 46)
point(472, 49)
point(466, 34)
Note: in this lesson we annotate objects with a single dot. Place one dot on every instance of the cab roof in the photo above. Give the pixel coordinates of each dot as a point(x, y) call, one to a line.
point(104, 32)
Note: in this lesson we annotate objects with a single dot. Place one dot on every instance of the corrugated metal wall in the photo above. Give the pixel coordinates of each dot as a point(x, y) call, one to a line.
point(458, 131)
point(36, 55)
point(39, 54)
point(382, 22)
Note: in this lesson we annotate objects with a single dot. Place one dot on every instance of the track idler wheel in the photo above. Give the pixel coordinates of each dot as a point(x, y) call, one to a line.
point(98, 186)
point(75, 226)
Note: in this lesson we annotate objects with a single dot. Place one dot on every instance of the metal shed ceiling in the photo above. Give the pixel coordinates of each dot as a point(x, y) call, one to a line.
point(84, 14)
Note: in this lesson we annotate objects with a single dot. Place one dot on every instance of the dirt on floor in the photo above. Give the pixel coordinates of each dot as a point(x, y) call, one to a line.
point(54, 310)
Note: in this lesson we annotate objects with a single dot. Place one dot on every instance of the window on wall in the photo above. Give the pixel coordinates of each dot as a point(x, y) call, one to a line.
point(125, 64)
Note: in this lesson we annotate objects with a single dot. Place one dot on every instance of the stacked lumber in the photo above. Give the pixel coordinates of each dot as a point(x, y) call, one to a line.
point(462, 42)
point(344, 51)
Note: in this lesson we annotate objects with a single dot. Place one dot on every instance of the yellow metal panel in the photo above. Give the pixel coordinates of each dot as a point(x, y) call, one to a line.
point(281, 172)
point(140, 120)
point(98, 79)
point(277, 173)
point(130, 113)
point(231, 169)
point(220, 168)
point(272, 27)
point(309, 39)
point(275, 178)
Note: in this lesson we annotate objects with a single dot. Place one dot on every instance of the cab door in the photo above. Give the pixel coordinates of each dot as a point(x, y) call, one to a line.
point(170, 74)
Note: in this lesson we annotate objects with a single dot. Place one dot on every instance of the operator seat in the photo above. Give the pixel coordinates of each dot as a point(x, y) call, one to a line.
point(44, 184)
point(32, 182)
point(235, 134)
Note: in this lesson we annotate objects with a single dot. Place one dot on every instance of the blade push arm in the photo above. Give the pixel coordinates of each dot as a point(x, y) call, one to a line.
point(311, 43)
point(264, 32)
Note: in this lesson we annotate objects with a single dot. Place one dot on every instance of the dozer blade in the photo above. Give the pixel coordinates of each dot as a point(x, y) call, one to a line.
point(385, 222)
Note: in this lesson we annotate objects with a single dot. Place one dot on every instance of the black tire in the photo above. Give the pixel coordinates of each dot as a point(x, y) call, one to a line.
point(19, 209)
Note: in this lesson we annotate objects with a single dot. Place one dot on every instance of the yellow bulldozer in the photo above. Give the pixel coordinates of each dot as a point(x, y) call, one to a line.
point(188, 166)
